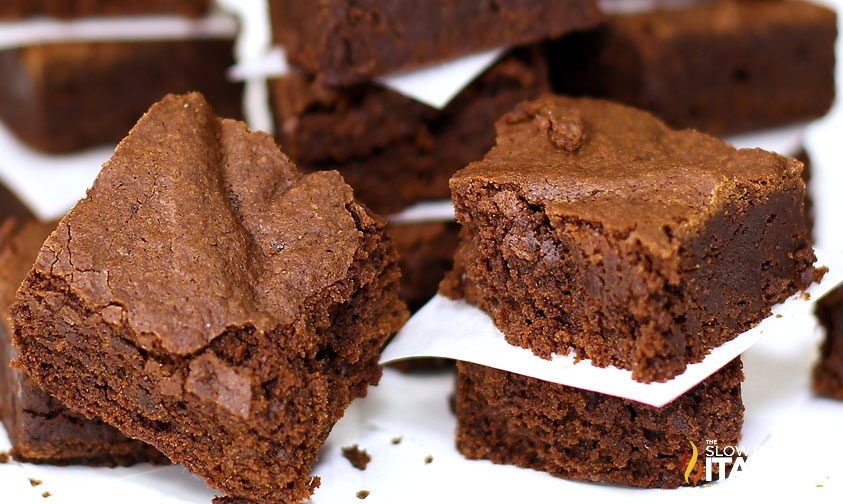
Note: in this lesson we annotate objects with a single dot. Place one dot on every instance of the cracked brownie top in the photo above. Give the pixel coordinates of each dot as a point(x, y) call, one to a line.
point(197, 224)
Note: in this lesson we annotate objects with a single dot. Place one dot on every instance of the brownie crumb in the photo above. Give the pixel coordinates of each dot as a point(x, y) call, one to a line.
point(362, 494)
point(46, 494)
point(4, 457)
point(396, 440)
point(35, 482)
point(358, 458)
point(428, 459)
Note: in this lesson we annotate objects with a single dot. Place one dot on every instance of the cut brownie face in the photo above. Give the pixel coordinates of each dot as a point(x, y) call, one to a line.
point(343, 42)
point(513, 419)
point(212, 301)
point(595, 228)
point(394, 150)
point(40, 428)
point(11, 9)
point(828, 374)
point(755, 64)
point(66, 97)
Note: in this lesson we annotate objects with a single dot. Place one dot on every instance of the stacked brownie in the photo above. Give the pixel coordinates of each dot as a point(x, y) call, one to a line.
point(828, 373)
point(722, 67)
point(40, 428)
point(594, 229)
point(61, 94)
point(213, 301)
point(333, 113)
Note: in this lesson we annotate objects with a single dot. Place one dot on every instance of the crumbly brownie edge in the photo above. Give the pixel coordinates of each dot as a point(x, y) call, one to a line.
point(828, 372)
point(104, 373)
point(546, 289)
point(512, 419)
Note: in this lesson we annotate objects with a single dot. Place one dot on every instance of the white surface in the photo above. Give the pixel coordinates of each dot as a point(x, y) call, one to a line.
point(137, 28)
point(456, 330)
point(426, 211)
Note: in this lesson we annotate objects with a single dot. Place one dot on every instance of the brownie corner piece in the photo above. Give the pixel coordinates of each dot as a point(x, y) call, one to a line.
point(828, 371)
point(210, 299)
point(513, 419)
point(592, 227)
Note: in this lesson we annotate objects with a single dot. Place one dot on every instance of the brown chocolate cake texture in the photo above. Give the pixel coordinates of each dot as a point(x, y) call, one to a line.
point(211, 300)
point(12, 9)
point(722, 67)
point(828, 373)
point(42, 429)
point(593, 228)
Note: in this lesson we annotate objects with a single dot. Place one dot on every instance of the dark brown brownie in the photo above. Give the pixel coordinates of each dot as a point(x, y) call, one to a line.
point(80, 8)
point(425, 254)
point(722, 68)
point(66, 97)
point(828, 373)
point(40, 428)
point(593, 227)
point(513, 419)
point(11, 206)
point(392, 149)
point(810, 211)
point(343, 42)
point(208, 298)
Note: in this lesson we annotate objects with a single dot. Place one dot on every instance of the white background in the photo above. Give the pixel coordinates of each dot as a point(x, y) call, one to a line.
point(802, 442)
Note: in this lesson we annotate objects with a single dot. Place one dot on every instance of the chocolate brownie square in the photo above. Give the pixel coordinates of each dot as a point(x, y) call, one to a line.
point(65, 97)
point(425, 254)
point(393, 150)
point(209, 299)
point(721, 67)
point(513, 419)
point(341, 42)
point(11, 9)
point(828, 373)
point(594, 228)
point(40, 428)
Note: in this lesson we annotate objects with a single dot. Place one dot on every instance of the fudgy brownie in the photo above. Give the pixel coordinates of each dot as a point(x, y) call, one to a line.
point(40, 428)
point(79, 8)
point(721, 67)
point(425, 254)
point(593, 227)
point(66, 97)
point(343, 42)
point(828, 374)
point(513, 419)
point(209, 299)
point(393, 150)
point(11, 206)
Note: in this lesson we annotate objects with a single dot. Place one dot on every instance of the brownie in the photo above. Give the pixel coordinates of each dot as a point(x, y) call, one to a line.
point(593, 227)
point(425, 254)
point(40, 428)
point(392, 149)
point(12, 9)
point(65, 97)
point(828, 373)
point(809, 210)
point(343, 42)
point(11, 206)
point(722, 67)
point(513, 419)
point(209, 299)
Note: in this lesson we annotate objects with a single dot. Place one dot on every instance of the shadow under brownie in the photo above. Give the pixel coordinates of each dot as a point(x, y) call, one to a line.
point(41, 429)
point(592, 227)
point(210, 299)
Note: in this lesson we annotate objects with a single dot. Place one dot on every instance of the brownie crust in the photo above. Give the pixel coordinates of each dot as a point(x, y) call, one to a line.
point(215, 302)
point(828, 373)
point(14, 9)
point(755, 65)
point(40, 428)
point(341, 42)
point(395, 151)
point(513, 419)
point(60, 98)
point(594, 228)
